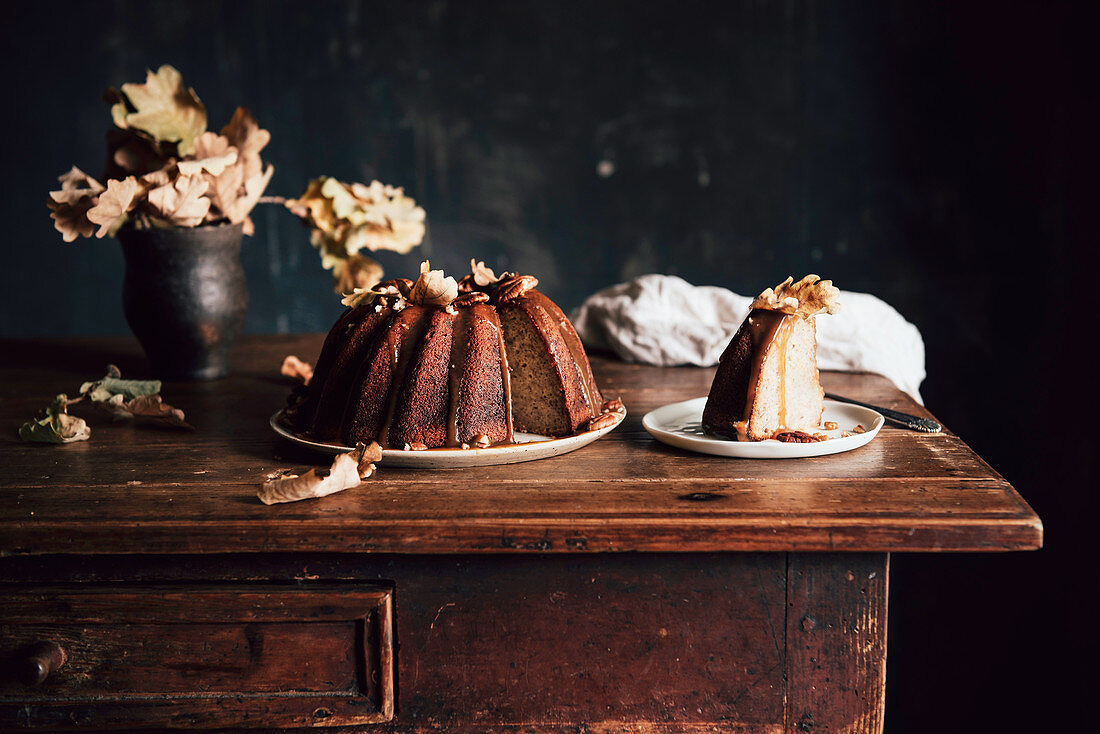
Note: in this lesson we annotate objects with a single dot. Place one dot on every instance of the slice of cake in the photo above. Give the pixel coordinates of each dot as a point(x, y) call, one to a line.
point(767, 380)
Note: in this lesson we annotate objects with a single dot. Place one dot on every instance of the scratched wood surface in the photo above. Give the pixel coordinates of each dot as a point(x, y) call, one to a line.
point(131, 490)
point(654, 643)
point(174, 655)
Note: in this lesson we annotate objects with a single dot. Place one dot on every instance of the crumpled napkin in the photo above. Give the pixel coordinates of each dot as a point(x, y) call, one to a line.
point(666, 321)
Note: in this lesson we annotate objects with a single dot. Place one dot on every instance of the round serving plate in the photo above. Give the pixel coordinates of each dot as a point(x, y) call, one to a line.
point(528, 447)
point(681, 425)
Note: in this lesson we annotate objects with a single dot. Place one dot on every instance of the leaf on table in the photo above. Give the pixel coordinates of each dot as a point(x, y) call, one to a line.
point(112, 384)
point(347, 471)
point(57, 426)
point(114, 204)
point(162, 107)
point(145, 409)
point(133, 399)
point(79, 193)
point(181, 203)
point(245, 134)
point(296, 368)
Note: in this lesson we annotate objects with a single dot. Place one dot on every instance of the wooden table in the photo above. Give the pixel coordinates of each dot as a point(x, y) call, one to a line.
point(627, 586)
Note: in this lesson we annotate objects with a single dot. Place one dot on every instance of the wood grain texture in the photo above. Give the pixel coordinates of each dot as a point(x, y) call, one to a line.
point(836, 642)
point(213, 655)
point(132, 490)
point(666, 643)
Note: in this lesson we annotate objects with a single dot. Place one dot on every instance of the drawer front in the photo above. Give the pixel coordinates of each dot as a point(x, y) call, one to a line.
point(235, 655)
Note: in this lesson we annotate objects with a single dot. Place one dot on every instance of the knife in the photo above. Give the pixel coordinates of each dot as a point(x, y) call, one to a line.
point(916, 423)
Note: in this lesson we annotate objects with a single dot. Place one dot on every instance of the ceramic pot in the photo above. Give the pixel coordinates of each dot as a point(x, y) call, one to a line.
point(185, 297)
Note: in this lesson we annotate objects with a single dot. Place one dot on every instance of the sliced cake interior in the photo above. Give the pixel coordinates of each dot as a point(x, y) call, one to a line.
point(767, 380)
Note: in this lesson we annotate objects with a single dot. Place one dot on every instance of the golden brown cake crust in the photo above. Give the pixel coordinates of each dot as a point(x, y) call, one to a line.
point(401, 373)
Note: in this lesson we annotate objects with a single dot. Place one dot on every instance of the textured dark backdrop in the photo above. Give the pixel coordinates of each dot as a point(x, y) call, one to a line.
point(935, 156)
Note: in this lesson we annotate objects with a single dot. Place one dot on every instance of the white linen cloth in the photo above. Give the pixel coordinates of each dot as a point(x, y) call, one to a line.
point(666, 321)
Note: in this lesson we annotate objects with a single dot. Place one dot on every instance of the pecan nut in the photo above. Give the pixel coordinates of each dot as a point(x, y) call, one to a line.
point(471, 298)
point(394, 286)
point(605, 420)
point(613, 406)
point(796, 437)
point(514, 287)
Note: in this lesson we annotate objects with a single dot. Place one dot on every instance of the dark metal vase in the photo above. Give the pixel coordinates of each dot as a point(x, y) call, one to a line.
point(185, 297)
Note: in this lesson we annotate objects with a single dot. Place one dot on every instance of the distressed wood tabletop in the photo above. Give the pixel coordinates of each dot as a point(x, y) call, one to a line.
point(134, 489)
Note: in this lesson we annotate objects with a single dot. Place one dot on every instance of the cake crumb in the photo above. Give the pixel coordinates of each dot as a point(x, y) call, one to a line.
point(859, 428)
point(831, 425)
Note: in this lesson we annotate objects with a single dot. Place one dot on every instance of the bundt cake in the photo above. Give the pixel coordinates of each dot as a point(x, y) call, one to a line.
point(767, 380)
point(440, 363)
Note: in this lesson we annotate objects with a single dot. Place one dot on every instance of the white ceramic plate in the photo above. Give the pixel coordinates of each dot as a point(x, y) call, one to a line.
point(680, 425)
point(529, 446)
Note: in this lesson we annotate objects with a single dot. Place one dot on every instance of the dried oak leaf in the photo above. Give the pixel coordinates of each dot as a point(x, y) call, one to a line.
point(244, 133)
point(212, 154)
point(132, 153)
point(113, 205)
point(351, 217)
point(57, 426)
point(296, 368)
point(483, 274)
point(112, 384)
point(223, 191)
point(133, 399)
point(162, 107)
point(356, 272)
point(70, 205)
point(391, 220)
point(147, 409)
point(347, 471)
point(181, 203)
point(432, 288)
point(253, 189)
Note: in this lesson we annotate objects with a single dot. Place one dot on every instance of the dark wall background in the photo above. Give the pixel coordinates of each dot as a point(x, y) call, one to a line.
point(937, 155)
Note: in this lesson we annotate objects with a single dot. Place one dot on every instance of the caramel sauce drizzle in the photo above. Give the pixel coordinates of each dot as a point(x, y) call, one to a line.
point(459, 343)
point(764, 327)
point(399, 366)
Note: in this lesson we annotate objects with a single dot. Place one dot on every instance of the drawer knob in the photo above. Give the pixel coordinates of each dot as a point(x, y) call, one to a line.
point(40, 662)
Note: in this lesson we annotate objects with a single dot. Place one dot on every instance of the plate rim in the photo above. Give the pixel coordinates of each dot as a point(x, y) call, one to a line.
point(435, 457)
point(758, 449)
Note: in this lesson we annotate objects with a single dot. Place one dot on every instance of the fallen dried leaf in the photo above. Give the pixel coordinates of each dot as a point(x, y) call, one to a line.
point(57, 426)
point(133, 399)
point(296, 368)
point(347, 471)
point(147, 409)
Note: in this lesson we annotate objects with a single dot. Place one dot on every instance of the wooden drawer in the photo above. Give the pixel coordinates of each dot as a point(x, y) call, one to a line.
point(232, 655)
